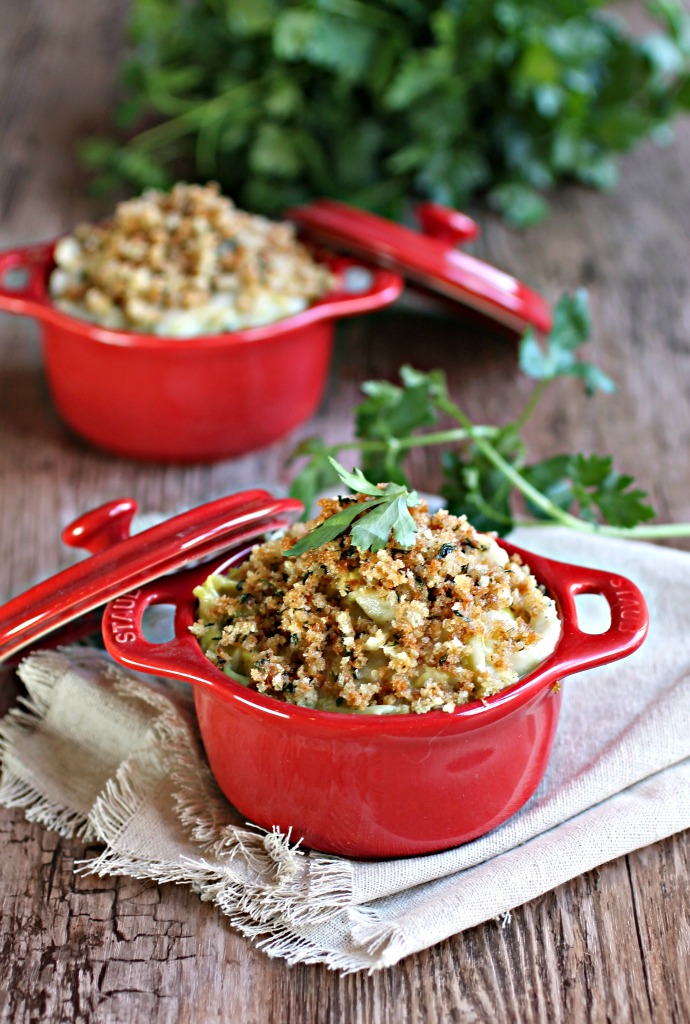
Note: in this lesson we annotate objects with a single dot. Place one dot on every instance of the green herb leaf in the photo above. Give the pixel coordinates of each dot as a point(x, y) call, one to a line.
point(390, 412)
point(385, 512)
point(273, 152)
point(590, 486)
point(519, 204)
point(571, 328)
point(317, 474)
point(596, 483)
point(356, 480)
point(332, 527)
point(472, 486)
point(373, 531)
point(324, 40)
point(550, 477)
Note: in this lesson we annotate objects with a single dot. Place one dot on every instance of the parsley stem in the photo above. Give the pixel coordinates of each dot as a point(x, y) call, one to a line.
point(655, 531)
point(522, 485)
point(418, 441)
point(192, 119)
point(509, 471)
point(532, 402)
point(491, 512)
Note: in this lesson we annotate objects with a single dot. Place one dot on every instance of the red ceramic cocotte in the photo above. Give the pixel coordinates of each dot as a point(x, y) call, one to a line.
point(148, 397)
point(368, 786)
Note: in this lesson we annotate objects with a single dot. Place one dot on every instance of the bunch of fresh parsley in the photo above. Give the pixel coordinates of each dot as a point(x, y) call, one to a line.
point(376, 101)
point(487, 474)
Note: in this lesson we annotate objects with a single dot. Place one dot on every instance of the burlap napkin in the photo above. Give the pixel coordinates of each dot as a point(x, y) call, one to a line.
point(117, 759)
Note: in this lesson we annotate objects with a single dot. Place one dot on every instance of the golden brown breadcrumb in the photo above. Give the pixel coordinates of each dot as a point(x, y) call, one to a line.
point(188, 252)
point(343, 629)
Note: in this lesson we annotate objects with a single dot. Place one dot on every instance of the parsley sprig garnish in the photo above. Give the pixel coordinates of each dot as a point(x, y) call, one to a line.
point(386, 511)
point(487, 474)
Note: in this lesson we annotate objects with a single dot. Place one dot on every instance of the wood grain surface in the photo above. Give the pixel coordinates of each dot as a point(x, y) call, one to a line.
point(612, 945)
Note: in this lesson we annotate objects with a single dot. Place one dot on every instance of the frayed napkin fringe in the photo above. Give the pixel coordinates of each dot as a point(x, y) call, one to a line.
point(280, 942)
point(16, 791)
point(290, 887)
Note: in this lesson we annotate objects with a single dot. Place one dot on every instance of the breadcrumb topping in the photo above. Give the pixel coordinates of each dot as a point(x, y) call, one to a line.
point(451, 619)
point(184, 263)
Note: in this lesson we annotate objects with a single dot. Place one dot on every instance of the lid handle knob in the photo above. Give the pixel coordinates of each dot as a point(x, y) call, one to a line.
point(101, 527)
point(446, 224)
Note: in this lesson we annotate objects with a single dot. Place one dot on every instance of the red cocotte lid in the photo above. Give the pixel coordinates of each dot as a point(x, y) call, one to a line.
point(427, 258)
point(120, 562)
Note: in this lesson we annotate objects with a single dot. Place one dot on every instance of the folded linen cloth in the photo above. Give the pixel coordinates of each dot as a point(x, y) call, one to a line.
point(116, 758)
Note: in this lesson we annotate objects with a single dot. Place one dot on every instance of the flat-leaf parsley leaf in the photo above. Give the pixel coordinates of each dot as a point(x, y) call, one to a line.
point(386, 512)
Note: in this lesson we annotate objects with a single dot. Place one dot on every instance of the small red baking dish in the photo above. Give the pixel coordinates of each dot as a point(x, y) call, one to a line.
point(370, 786)
point(196, 399)
point(362, 786)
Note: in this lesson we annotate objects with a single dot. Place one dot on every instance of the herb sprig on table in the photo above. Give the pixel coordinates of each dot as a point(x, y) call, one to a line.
point(487, 473)
point(377, 101)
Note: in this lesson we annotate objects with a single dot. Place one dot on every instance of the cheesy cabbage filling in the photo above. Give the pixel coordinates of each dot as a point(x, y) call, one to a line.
point(452, 619)
point(185, 263)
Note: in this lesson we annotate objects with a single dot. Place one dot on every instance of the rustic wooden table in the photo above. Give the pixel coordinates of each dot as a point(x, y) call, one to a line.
point(612, 945)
